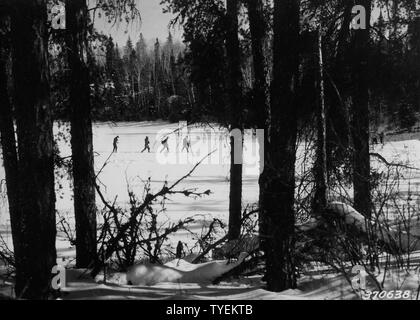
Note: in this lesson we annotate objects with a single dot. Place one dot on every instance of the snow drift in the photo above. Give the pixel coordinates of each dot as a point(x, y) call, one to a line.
point(180, 271)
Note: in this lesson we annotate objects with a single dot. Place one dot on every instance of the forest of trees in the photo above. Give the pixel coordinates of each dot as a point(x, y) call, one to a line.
point(139, 82)
point(286, 66)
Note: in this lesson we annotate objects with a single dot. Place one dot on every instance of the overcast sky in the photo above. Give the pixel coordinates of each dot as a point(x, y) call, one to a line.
point(154, 24)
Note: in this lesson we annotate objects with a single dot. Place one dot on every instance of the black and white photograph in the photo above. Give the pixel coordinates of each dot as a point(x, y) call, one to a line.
point(228, 151)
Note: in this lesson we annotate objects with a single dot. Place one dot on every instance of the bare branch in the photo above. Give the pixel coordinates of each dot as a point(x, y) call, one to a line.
point(390, 164)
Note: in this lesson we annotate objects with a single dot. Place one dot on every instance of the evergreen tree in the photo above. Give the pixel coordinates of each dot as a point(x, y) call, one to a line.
point(277, 211)
point(78, 52)
point(36, 224)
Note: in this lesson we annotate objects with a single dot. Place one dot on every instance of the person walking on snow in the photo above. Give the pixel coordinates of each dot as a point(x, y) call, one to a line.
point(382, 137)
point(165, 144)
point(115, 143)
point(186, 144)
point(146, 145)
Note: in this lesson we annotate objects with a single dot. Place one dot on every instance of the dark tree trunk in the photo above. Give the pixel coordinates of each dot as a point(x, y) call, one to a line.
point(235, 109)
point(258, 30)
point(277, 213)
point(37, 233)
point(81, 133)
point(8, 145)
point(338, 125)
point(360, 125)
point(261, 106)
point(156, 75)
point(321, 174)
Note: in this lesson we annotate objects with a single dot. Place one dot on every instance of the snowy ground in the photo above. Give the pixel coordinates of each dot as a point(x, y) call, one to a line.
point(313, 287)
point(129, 168)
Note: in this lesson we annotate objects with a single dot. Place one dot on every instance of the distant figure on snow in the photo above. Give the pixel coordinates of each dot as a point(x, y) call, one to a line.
point(179, 250)
point(115, 143)
point(374, 140)
point(382, 137)
point(186, 144)
point(146, 145)
point(165, 144)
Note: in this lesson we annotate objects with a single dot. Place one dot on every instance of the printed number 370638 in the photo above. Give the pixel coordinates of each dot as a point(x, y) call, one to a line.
point(392, 294)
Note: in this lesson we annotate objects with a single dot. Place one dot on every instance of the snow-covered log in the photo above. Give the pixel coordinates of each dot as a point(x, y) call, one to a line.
point(233, 248)
point(180, 271)
point(393, 237)
point(349, 215)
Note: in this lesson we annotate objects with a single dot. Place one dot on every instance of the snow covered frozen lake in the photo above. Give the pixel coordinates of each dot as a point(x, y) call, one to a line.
point(130, 168)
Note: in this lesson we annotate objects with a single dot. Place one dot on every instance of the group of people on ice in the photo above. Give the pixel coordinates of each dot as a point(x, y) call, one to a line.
point(186, 144)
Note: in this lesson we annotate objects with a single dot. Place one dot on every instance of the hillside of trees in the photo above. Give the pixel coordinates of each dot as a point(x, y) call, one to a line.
point(153, 79)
